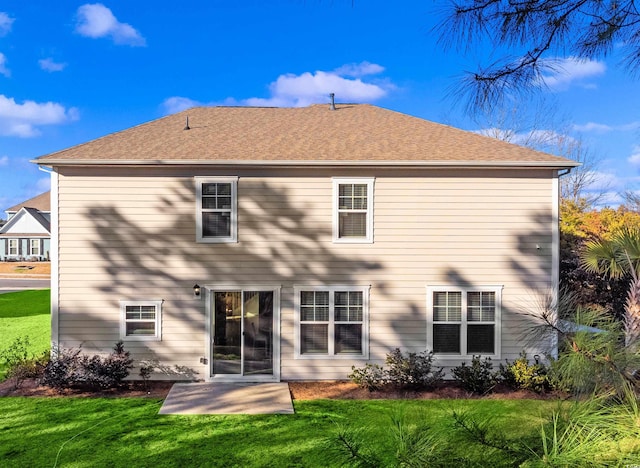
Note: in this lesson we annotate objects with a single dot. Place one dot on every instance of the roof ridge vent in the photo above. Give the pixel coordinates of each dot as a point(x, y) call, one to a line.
point(333, 102)
point(186, 127)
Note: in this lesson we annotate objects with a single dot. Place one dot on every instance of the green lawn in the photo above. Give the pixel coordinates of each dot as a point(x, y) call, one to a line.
point(126, 432)
point(25, 313)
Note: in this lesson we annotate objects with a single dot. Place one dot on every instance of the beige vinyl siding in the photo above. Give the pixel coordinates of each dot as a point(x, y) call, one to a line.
point(129, 234)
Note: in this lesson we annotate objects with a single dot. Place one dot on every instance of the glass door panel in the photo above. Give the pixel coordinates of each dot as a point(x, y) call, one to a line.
point(227, 333)
point(258, 337)
point(242, 327)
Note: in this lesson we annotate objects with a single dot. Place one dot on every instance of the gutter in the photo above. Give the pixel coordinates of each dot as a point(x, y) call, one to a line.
point(314, 163)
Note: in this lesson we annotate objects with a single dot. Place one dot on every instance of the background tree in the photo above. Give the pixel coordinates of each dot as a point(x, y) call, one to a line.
point(619, 257)
point(540, 30)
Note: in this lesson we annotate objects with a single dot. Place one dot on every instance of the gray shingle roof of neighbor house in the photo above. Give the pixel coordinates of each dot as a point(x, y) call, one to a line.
point(356, 134)
point(41, 202)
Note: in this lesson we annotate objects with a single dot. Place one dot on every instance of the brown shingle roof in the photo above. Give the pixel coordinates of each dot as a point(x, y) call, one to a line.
point(358, 133)
point(41, 202)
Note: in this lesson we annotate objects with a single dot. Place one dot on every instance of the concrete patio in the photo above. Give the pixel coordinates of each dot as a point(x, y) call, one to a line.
point(228, 398)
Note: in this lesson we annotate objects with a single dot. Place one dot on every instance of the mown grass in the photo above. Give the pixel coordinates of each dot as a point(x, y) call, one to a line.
point(125, 432)
point(25, 313)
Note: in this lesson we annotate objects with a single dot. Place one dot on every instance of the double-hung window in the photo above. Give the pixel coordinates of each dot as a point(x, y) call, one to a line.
point(141, 320)
point(216, 209)
point(12, 247)
point(332, 321)
point(353, 210)
point(464, 321)
point(34, 247)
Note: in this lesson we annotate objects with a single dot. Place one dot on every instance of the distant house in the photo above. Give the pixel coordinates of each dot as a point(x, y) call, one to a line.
point(26, 235)
point(292, 243)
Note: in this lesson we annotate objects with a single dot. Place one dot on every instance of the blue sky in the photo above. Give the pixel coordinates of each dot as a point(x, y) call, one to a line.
point(72, 71)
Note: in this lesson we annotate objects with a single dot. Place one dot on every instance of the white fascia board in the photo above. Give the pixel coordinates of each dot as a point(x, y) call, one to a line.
point(309, 163)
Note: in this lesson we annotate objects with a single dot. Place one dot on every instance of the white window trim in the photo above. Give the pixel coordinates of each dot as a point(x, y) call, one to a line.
point(331, 353)
point(463, 329)
point(157, 303)
point(17, 247)
point(31, 249)
point(337, 181)
point(233, 237)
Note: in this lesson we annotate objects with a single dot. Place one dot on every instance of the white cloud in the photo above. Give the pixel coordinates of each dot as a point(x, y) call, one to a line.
point(50, 65)
point(4, 160)
point(291, 90)
point(23, 120)
point(359, 69)
point(178, 104)
point(604, 128)
point(567, 71)
point(634, 159)
point(3, 67)
point(5, 23)
point(43, 184)
point(96, 20)
point(593, 127)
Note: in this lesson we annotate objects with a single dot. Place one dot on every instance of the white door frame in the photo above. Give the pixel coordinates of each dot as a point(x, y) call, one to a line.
point(209, 290)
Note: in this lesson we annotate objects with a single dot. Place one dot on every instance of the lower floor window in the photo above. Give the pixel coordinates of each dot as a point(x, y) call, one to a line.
point(331, 321)
point(13, 247)
point(464, 321)
point(140, 320)
point(34, 247)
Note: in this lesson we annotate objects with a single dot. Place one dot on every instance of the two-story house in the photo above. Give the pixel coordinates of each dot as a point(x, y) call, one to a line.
point(292, 243)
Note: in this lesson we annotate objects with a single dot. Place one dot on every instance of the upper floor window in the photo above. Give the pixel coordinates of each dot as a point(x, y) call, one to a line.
point(216, 209)
point(353, 210)
point(464, 321)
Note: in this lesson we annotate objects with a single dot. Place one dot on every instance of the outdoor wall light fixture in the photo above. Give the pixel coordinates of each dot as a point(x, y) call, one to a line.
point(196, 290)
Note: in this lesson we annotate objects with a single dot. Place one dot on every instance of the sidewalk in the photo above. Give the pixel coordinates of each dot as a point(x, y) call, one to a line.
point(228, 398)
point(24, 276)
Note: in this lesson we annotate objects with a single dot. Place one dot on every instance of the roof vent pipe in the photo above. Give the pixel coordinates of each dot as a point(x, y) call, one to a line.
point(333, 102)
point(186, 127)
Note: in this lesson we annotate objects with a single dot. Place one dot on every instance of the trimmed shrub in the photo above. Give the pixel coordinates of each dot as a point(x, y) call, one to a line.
point(477, 378)
point(412, 370)
point(371, 376)
point(68, 368)
point(521, 375)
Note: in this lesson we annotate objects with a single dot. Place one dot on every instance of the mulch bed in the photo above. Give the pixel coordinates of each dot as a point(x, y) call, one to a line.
point(31, 388)
point(346, 390)
point(336, 390)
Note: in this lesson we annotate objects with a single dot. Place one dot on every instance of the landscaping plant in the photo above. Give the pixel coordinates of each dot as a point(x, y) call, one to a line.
point(522, 375)
point(21, 362)
point(412, 370)
point(69, 368)
point(405, 370)
point(371, 377)
point(477, 378)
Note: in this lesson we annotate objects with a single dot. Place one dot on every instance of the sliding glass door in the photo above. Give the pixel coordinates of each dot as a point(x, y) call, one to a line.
point(242, 332)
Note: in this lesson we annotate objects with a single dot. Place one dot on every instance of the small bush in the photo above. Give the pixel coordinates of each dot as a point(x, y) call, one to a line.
point(412, 370)
point(477, 378)
point(68, 368)
point(371, 376)
point(521, 375)
point(22, 364)
point(145, 371)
